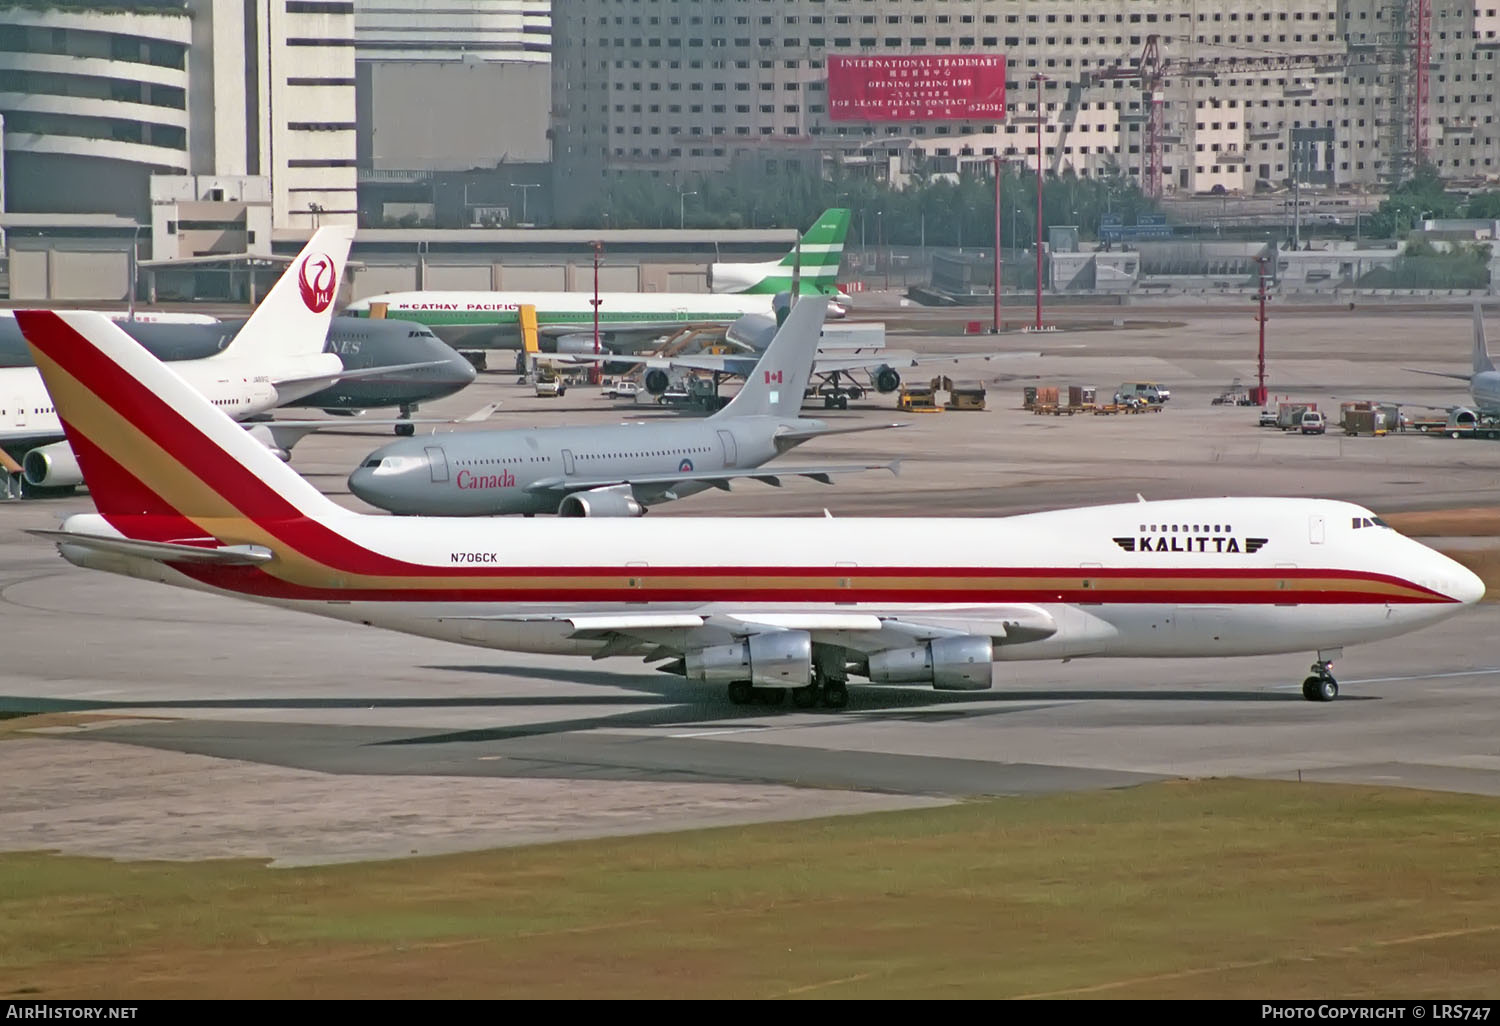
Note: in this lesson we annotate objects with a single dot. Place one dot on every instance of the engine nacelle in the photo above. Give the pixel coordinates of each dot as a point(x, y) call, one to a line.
point(778, 659)
point(582, 345)
point(52, 466)
point(886, 379)
point(265, 434)
point(616, 501)
point(656, 381)
point(949, 664)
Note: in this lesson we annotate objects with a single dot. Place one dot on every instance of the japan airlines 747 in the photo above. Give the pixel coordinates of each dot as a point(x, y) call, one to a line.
point(762, 606)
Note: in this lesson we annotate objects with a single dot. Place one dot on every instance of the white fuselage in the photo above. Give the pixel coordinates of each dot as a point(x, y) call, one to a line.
point(1179, 578)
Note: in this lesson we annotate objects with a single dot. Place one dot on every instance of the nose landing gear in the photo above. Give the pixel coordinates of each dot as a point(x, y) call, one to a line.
point(1320, 686)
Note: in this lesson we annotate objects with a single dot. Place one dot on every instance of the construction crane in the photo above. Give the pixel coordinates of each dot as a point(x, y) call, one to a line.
point(1153, 71)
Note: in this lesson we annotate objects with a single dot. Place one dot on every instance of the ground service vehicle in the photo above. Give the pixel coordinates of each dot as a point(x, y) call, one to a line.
point(1313, 423)
point(1150, 391)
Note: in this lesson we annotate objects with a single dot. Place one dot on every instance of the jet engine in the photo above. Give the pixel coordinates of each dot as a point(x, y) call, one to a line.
point(949, 664)
point(52, 466)
point(582, 345)
point(781, 659)
point(887, 380)
point(656, 381)
point(617, 501)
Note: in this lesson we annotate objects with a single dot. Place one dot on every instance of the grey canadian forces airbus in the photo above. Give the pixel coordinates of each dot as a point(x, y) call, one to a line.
point(616, 469)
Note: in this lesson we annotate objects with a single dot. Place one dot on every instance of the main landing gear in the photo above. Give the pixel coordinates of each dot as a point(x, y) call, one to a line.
point(830, 694)
point(406, 430)
point(1320, 686)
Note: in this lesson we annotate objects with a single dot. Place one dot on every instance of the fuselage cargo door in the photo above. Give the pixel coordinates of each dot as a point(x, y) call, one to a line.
point(567, 455)
point(1315, 530)
point(731, 455)
point(437, 463)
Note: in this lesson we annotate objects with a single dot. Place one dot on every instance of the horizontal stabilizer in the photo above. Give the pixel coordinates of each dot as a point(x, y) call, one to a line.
point(163, 552)
point(1439, 374)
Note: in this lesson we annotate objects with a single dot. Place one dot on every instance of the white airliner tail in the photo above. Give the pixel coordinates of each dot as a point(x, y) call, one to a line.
point(1482, 361)
point(151, 447)
point(776, 386)
point(293, 319)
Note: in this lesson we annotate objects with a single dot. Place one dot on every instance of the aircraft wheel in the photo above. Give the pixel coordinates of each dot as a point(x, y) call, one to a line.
point(856, 392)
point(843, 402)
point(1328, 689)
point(1310, 689)
point(806, 698)
point(828, 402)
point(835, 694)
point(406, 430)
point(741, 693)
point(770, 696)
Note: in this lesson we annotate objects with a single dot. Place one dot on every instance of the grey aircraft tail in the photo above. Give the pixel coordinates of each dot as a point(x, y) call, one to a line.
point(1482, 361)
point(776, 386)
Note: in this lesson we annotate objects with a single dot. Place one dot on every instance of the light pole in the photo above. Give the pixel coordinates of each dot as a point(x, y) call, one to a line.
point(682, 207)
point(135, 259)
point(523, 186)
point(595, 369)
point(1039, 78)
point(881, 254)
point(996, 325)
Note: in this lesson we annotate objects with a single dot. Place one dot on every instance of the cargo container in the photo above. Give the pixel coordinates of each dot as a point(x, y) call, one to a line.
point(1289, 415)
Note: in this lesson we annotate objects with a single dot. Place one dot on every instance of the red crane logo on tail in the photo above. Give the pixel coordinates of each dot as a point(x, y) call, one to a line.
point(317, 281)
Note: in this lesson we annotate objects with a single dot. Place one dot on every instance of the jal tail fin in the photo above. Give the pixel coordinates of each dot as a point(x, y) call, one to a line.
point(294, 317)
point(776, 386)
point(822, 252)
point(1482, 361)
point(148, 443)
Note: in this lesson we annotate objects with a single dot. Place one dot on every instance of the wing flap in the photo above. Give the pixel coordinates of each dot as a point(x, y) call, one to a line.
point(163, 552)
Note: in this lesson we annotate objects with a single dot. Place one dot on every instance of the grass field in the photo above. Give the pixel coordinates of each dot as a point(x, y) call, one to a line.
point(1208, 889)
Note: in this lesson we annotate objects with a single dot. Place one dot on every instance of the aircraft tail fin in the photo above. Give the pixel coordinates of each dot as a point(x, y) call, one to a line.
point(822, 253)
point(1482, 361)
point(776, 386)
point(154, 452)
point(294, 317)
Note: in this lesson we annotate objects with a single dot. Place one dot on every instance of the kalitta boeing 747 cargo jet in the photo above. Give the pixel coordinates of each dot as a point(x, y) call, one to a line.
point(760, 606)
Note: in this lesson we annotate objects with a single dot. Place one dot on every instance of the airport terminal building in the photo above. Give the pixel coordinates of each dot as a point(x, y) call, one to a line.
point(682, 89)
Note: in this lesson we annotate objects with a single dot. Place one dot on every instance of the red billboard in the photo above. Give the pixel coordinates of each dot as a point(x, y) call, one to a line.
point(952, 87)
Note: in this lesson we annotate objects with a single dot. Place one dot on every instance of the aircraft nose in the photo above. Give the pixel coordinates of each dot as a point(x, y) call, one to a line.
point(1468, 587)
point(458, 371)
point(378, 480)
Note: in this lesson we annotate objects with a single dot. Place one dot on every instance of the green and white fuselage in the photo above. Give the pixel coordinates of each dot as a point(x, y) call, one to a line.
point(487, 320)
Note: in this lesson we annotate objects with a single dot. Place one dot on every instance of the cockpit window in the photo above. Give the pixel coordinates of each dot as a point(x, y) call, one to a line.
point(396, 464)
point(1369, 522)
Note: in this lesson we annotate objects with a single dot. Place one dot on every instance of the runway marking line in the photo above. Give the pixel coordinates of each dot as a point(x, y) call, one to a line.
point(1259, 963)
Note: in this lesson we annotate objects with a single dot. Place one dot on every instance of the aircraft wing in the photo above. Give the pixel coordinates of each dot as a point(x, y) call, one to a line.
point(658, 636)
point(822, 364)
point(719, 479)
point(163, 552)
point(899, 358)
point(740, 365)
point(350, 375)
point(283, 434)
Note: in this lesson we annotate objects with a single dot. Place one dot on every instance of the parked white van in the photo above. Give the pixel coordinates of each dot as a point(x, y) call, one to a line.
point(1150, 391)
